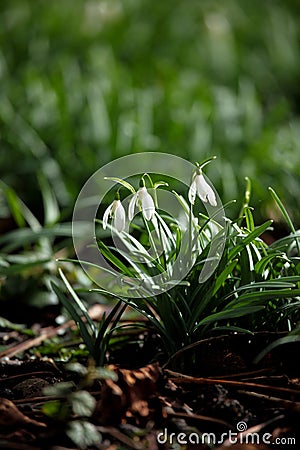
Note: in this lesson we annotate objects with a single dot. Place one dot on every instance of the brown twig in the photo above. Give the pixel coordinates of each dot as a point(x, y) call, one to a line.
point(287, 404)
point(26, 375)
point(249, 374)
point(46, 333)
point(183, 379)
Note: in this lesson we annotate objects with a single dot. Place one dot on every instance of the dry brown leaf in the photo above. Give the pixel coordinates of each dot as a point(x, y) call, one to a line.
point(10, 415)
point(129, 395)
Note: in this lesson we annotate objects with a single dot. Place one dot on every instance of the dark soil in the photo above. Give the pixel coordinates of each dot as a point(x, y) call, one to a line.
point(212, 387)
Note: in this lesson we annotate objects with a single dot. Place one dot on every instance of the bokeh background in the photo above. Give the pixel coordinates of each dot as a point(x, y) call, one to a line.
point(84, 82)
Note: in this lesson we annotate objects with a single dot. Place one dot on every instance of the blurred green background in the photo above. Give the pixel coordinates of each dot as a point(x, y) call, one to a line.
point(84, 82)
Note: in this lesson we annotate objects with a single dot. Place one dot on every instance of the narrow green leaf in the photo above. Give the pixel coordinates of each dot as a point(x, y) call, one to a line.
point(23, 236)
point(114, 259)
point(229, 314)
point(87, 339)
point(229, 328)
point(104, 326)
point(272, 284)
point(249, 238)
point(283, 210)
point(22, 208)
point(286, 216)
point(51, 209)
point(222, 277)
point(77, 300)
point(249, 218)
point(285, 340)
point(19, 268)
point(267, 295)
point(15, 207)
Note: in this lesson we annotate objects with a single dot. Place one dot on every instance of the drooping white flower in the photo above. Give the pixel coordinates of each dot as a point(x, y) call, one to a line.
point(117, 212)
point(200, 187)
point(146, 202)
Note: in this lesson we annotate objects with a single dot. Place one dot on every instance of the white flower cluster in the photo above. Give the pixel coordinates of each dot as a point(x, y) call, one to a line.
point(143, 199)
point(117, 211)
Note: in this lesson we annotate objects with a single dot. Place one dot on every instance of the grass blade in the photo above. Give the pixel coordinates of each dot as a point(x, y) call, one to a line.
point(86, 336)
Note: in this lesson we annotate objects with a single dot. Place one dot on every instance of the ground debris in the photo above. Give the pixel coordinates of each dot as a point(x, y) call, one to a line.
point(129, 395)
point(11, 416)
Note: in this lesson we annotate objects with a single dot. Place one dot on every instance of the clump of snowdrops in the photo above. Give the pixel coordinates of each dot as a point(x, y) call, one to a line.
point(158, 266)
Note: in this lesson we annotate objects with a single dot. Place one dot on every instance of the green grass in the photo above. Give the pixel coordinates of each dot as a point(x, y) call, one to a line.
point(86, 83)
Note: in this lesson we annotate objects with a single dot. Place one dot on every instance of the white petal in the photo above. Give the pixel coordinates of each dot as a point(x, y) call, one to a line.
point(212, 198)
point(119, 216)
point(106, 215)
point(204, 191)
point(155, 224)
point(192, 192)
point(147, 203)
point(131, 207)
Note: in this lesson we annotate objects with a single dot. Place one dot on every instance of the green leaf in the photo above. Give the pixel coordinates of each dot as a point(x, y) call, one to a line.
point(19, 209)
point(229, 314)
point(62, 389)
point(52, 409)
point(249, 218)
point(15, 207)
point(51, 209)
point(286, 216)
point(235, 329)
point(264, 263)
point(106, 322)
point(18, 268)
point(272, 284)
point(83, 403)
point(24, 236)
point(285, 340)
point(78, 302)
point(106, 252)
point(283, 210)
point(83, 434)
point(265, 295)
point(85, 333)
point(4, 323)
point(77, 368)
point(106, 374)
point(249, 238)
point(222, 277)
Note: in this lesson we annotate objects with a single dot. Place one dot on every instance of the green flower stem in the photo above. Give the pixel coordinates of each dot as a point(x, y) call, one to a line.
point(152, 243)
point(190, 228)
point(246, 201)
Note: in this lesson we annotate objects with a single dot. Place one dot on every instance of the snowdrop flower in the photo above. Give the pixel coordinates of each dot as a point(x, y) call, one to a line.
point(200, 187)
point(146, 202)
point(117, 212)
